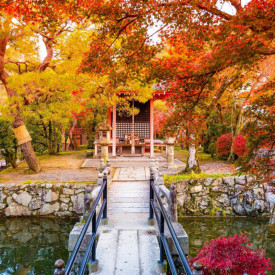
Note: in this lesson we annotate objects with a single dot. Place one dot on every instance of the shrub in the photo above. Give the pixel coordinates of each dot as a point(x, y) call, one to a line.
point(212, 149)
point(8, 143)
point(224, 144)
point(239, 145)
point(233, 255)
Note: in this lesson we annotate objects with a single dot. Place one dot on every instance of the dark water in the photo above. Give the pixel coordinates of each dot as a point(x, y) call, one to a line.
point(202, 229)
point(31, 246)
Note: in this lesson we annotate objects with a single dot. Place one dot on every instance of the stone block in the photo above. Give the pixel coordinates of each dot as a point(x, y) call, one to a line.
point(35, 205)
point(220, 188)
point(229, 181)
point(65, 200)
point(196, 189)
point(68, 191)
point(24, 198)
point(47, 208)
point(78, 203)
point(9, 200)
point(2, 196)
point(217, 182)
point(182, 237)
point(64, 207)
point(74, 235)
point(15, 209)
point(50, 196)
point(239, 209)
point(223, 200)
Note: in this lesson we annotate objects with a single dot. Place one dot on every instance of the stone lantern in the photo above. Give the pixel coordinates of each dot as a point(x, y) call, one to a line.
point(104, 138)
point(170, 142)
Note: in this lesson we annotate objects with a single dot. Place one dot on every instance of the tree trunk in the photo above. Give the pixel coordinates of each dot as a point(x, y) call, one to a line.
point(50, 147)
point(27, 149)
point(55, 146)
point(192, 160)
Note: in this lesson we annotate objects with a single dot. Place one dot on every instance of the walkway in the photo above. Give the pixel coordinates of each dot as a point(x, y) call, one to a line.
point(130, 161)
point(131, 245)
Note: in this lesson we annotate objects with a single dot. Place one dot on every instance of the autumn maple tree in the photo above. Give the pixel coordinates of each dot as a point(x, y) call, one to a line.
point(198, 51)
point(207, 51)
point(18, 22)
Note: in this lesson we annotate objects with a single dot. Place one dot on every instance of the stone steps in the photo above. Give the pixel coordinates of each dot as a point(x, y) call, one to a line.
point(127, 199)
point(128, 195)
point(129, 191)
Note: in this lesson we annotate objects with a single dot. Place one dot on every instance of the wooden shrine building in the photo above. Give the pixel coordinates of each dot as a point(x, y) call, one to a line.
point(133, 135)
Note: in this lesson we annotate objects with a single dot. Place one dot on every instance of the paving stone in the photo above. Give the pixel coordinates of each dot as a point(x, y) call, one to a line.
point(107, 245)
point(149, 252)
point(127, 253)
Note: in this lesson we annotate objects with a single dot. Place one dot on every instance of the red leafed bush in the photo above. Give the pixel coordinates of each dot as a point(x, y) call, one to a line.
point(224, 144)
point(233, 255)
point(239, 145)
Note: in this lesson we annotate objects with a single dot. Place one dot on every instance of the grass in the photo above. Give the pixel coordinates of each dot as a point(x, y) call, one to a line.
point(175, 178)
point(183, 154)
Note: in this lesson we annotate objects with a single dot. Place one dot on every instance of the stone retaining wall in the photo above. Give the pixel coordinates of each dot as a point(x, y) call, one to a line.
point(59, 199)
point(226, 196)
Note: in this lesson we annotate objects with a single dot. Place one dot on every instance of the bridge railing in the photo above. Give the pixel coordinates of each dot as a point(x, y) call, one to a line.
point(162, 217)
point(90, 254)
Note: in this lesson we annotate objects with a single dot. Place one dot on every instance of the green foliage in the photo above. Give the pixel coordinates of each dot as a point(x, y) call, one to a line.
point(46, 137)
point(212, 149)
point(8, 143)
point(215, 128)
point(169, 179)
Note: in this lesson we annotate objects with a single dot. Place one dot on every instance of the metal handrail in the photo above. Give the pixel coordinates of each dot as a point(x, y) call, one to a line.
point(160, 222)
point(91, 249)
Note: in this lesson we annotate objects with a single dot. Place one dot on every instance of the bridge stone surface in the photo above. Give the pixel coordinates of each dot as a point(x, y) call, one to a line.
point(128, 245)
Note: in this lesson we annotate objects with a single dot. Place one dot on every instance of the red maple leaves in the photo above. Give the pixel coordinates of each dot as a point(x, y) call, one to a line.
point(233, 255)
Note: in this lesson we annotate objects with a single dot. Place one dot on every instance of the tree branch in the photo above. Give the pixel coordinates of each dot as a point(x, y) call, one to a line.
point(267, 52)
point(219, 94)
point(237, 5)
point(48, 42)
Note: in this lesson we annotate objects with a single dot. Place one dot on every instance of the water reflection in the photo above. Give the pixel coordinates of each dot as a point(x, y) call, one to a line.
point(31, 246)
point(202, 229)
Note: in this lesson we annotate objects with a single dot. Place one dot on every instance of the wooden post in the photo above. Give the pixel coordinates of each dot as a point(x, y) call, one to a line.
point(133, 130)
point(152, 128)
point(109, 116)
point(114, 132)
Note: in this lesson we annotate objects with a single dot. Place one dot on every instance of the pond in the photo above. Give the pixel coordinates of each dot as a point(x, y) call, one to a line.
point(201, 229)
point(31, 245)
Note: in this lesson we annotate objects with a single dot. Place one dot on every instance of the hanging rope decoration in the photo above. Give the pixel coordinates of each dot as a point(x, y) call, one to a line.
point(22, 134)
